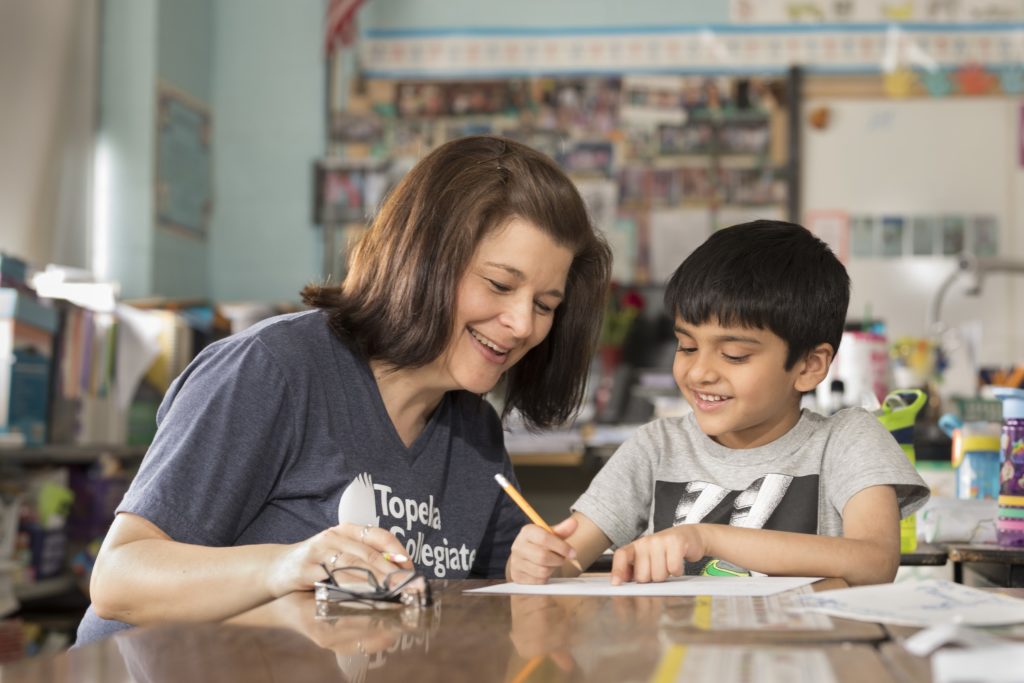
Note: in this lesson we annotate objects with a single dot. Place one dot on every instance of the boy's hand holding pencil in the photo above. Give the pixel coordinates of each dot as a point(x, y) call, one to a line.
point(539, 551)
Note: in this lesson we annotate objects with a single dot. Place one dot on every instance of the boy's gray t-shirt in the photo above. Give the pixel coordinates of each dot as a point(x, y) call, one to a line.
point(669, 472)
point(278, 433)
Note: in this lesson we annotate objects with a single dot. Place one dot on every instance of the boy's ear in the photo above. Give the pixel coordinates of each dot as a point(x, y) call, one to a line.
point(814, 367)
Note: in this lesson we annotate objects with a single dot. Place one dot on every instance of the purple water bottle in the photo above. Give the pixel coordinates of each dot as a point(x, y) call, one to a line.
point(1010, 524)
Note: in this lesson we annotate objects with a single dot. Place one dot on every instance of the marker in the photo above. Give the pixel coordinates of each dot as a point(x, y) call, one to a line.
point(528, 509)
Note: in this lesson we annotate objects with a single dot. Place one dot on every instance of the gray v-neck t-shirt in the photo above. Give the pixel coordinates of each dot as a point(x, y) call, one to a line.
point(279, 432)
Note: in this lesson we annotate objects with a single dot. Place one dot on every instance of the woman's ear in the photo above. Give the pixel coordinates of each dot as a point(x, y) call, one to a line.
point(815, 367)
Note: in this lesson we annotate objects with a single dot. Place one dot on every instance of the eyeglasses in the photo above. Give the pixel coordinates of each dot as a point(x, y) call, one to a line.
point(360, 586)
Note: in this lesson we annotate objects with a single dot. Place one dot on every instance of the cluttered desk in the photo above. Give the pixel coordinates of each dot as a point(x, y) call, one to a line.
point(731, 630)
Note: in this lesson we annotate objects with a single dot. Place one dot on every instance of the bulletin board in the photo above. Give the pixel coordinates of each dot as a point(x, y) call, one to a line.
point(183, 174)
point(660, 161)
point(941, 166)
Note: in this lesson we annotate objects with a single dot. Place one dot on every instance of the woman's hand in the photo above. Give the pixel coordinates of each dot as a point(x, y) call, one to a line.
point(346, 545)
point(537, 555)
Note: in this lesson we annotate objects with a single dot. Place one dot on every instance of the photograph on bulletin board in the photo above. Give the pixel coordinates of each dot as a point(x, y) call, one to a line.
point(691, 138)
point(954, 237)
point(833, 228)
point(891, 236)
point(985, 236)
point(184, 198)
point(347, 194)
point(924, 235)
point(744, 137)
point(862, 236)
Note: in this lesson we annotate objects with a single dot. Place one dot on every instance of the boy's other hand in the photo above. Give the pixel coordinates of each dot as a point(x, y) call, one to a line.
point(537, 555)
point(658, 556)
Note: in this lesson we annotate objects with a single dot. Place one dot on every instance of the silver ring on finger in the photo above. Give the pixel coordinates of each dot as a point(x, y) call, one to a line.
point(334, 560)
point(362, 533)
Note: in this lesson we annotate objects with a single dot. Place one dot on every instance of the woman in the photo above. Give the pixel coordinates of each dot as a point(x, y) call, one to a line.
point(336, 436)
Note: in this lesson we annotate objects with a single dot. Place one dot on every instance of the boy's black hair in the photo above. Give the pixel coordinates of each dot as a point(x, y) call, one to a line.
point(767, 274)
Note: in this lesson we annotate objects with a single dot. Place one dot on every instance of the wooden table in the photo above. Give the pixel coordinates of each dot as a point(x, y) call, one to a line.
point(913, 669)
point(925, 555)
point(995, 564)
point(462, 637)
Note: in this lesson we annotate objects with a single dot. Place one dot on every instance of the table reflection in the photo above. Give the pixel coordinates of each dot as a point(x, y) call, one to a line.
point(462, 637)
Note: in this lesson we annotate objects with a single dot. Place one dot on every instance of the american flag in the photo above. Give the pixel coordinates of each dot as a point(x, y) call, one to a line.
point(340, 24)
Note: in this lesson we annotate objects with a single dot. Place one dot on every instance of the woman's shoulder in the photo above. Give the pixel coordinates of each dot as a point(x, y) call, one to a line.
point(285, 342)
point(285, 335)
point(286, 328)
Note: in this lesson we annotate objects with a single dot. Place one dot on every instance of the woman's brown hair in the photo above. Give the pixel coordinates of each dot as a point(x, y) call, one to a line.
point(397, 301)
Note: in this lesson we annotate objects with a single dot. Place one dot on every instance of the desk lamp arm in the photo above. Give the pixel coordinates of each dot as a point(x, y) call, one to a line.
point(979, 268)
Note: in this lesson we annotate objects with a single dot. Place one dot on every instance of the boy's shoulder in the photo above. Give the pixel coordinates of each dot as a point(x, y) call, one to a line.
point(668, 428)
point(814, 432)
point(847, 420)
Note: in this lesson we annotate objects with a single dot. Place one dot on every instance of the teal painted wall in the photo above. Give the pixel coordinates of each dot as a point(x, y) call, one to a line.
point(268, 78)
point(122, 229)
point(184, 62)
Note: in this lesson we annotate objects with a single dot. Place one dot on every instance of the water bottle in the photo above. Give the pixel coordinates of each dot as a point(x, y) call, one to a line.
point(975, 456)
point(1010, 523)
point(898, 413)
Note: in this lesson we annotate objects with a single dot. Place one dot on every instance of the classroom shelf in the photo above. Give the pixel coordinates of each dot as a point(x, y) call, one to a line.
point(559, 459)
point(68, 454)
point(37, 590)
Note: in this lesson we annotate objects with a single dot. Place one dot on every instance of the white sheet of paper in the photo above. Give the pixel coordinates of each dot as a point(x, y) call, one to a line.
point(918, 603)
point(998, 664)
point(137, 348)
point(676, 586)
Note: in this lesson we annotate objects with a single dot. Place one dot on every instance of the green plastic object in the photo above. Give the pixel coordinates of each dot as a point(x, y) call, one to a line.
point(718, 567)
point(898, 414)
point(53, 504)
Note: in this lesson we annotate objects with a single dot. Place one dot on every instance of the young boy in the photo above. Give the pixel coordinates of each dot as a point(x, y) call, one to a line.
point(748, 482)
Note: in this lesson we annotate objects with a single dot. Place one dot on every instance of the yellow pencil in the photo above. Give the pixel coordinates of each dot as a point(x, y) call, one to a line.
point(528, 509)
point(525, 672)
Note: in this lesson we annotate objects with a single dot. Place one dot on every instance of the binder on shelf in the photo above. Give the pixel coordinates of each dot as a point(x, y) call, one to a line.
point(13, 271)
point(27, 327)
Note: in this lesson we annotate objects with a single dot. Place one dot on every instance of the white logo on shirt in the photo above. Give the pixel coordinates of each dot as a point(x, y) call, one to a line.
point(751, 508)
point(357, 504)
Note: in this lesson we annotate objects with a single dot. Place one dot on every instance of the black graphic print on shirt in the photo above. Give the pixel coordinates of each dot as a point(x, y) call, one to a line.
point(775, 501)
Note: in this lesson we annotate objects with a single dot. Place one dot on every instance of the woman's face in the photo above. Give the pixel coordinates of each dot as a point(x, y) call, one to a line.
point(505, 303)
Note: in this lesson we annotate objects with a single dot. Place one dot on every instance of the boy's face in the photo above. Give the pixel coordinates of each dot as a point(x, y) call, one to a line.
point(735, 380)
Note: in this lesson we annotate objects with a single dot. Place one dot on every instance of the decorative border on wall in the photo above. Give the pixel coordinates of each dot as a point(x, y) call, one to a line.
point(748, 49)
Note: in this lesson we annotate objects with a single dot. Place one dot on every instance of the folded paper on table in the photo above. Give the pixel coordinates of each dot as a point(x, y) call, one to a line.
point(675, 586)
point(919, 603)
point(956, 520)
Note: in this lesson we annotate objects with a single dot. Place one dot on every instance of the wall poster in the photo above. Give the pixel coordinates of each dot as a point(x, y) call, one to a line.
point(184, 198)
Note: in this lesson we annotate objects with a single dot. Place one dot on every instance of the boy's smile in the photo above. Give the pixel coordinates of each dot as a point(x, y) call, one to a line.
point(735, 380)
